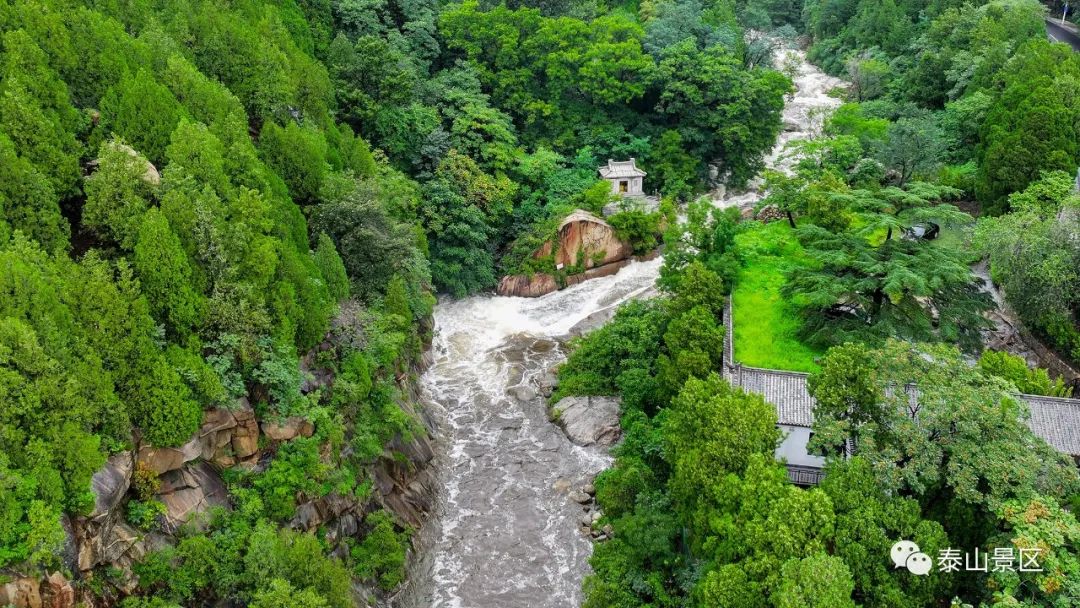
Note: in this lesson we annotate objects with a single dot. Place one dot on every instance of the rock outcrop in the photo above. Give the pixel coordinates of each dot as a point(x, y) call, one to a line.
point(589, 420)
point(581, 241)
point(287, 429)
point(110, 483)
point(102, 537)
point(187, 481)
point(52, 591)
point(190, 491)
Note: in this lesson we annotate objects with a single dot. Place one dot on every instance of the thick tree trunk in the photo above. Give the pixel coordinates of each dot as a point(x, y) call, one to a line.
point(878, 299)
point(791, 219)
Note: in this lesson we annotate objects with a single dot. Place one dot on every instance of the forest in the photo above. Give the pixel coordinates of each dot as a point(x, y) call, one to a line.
point(253, 205)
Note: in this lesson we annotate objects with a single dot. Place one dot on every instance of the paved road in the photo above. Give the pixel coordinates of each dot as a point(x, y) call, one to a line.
point(1061, 33)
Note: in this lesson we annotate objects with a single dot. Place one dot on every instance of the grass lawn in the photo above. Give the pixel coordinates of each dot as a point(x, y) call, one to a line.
point(766, 328)
point(956, 238)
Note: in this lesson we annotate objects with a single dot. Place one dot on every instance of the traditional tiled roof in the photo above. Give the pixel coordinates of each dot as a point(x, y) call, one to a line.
point(1057, 421)
point(1054, 419)
point(615, 170)
point(786, 390)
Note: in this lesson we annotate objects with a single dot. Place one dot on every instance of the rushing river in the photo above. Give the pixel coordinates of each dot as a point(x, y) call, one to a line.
point(506, 534)
point(803, 117)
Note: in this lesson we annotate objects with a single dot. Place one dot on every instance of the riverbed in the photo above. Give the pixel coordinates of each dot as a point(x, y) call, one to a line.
point(506, 533)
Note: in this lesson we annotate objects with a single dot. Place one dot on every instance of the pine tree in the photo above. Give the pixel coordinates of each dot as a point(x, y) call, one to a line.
point(331, 268)
point(871, 283)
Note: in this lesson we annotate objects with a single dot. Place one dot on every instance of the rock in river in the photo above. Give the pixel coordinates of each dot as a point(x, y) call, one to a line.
point(589, 420)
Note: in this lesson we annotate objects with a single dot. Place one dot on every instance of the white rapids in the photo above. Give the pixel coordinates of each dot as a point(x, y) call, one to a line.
point(506, 533)
point(803, 116)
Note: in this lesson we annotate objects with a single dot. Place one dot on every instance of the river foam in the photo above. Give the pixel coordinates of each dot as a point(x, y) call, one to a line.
point(506, 533)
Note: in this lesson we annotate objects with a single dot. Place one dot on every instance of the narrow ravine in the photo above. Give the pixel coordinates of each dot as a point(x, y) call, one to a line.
point(506, 533)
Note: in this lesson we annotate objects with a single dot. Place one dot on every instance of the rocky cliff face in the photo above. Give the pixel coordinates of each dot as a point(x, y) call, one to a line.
point(189, 484)
point(582, 241)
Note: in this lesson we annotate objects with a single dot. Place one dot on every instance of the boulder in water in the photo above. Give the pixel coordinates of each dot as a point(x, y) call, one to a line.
point(524, 392)
point(589, 420)
point(582, 240)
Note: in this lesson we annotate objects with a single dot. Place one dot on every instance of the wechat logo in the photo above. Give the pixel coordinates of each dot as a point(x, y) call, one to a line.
point(906, 554)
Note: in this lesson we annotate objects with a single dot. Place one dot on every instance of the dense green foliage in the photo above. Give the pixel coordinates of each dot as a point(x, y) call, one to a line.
point(943, 98)
point(229, 204)
point(703, 516)
point(194, 196)
point(983, 74)
point(1035, 258)
point(504, 112)
point(1026, 380)
point(867, 286)
point(179, 274)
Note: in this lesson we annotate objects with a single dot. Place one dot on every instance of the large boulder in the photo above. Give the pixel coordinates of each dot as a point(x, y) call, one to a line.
point(21, 593)
point(163, 460)
point(245, 437)
point(586, 238)
point(111, 482)
point(98, 537)
point(287, 429)
point(57, 592)
point(189, 491)
point(115, 543)
point(229, 436)
point(582, 239)
point(527, 286)
point(589, 420)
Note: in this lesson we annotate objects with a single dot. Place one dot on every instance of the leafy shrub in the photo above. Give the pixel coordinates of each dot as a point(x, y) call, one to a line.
point(145, 482)
point(381, 555)
point(145, 514)
point(295, 470)
point(1032, 381)
point(638, 228)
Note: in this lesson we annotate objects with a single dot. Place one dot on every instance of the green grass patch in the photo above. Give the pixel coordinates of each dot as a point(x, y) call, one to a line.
point(766, 326)
point(958, 239)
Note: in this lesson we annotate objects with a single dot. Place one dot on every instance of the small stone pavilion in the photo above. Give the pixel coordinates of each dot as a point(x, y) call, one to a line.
point(626, 179)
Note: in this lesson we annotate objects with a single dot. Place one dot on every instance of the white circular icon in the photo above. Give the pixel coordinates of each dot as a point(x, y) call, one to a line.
point(919, 564)
point(901, 551)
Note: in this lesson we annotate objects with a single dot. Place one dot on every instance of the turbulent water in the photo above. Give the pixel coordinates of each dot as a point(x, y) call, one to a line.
point(506, 534)
point(803, 116)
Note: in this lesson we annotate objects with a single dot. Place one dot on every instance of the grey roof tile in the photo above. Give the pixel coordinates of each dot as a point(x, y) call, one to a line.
point(1055, 419)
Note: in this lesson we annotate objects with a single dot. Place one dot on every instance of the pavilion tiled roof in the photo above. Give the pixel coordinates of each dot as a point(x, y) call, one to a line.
point(785, 390)
point(1055, 419)
point(615, 170)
